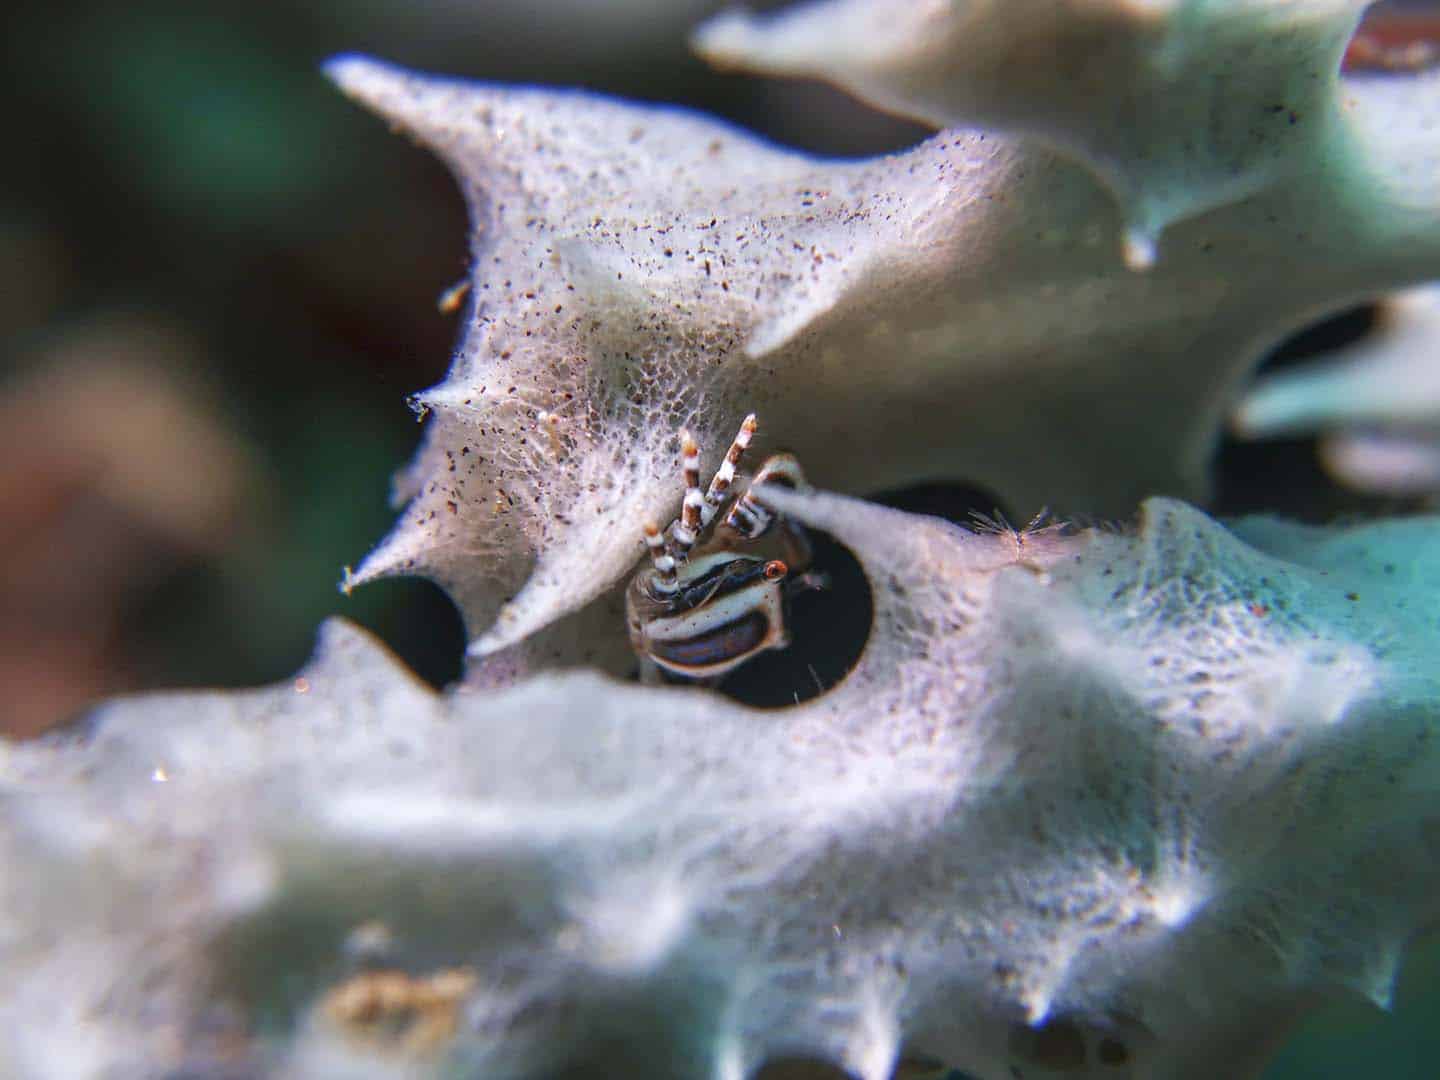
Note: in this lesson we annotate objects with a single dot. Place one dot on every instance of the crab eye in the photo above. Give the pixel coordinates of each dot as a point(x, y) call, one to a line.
point(775, 570)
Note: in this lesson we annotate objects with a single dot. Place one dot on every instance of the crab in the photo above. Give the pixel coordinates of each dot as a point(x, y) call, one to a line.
point(715, 591)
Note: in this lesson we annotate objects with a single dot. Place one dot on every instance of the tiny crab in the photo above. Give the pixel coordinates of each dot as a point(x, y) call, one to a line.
point(716, 588)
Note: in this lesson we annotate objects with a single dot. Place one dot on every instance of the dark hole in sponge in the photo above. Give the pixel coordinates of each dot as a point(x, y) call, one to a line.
point(828, 629)
point(955, 502)
point(1112, 1052)
point(1058, 1045)
point(799, 1069)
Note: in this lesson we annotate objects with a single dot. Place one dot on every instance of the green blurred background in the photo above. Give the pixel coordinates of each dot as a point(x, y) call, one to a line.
point(218, 282)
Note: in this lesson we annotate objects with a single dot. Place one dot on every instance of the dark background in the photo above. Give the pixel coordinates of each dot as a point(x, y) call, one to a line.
point(218, 281)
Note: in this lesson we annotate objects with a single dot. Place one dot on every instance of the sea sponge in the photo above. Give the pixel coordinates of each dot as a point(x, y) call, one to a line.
point(963, 310)
point(1120, 804)
point(1376, 402)
point(1092, 802)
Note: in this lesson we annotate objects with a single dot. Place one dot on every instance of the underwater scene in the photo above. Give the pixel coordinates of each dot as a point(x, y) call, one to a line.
point(665, 538)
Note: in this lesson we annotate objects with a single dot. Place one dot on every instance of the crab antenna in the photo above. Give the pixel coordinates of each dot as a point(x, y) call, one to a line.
point(747, 516)
point(725, 475)
point(665, 580)
point(685, 531)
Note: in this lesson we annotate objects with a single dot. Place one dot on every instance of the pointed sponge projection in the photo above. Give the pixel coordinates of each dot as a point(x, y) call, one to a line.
point(960, 310)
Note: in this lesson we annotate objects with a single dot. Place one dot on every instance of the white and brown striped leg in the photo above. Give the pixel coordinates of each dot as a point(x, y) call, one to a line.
point(666, 580)
point(748, 517)
point(686, 529)
point(725, 475)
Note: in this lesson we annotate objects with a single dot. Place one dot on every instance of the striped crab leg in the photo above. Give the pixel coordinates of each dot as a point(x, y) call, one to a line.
point(666, 580)
point(725, 475)
point(748, 517)
point(686, 529)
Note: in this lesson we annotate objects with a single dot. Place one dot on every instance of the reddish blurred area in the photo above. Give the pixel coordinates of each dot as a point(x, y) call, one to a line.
point(1394, 38)
point(114, 473)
